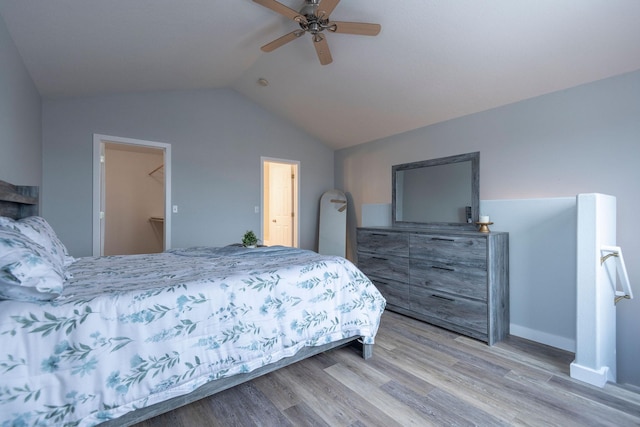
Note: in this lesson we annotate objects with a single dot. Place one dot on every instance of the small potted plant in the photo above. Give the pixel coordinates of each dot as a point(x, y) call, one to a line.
point(249, 240)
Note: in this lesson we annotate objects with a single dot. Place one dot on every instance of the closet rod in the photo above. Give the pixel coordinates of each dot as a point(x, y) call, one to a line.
point(156, 169)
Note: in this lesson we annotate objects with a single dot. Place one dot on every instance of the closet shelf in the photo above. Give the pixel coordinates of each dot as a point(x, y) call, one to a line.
point(156, 219)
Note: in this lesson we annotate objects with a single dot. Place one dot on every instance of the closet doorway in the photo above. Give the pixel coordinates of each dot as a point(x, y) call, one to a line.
point(280, 184)
point(132, 196)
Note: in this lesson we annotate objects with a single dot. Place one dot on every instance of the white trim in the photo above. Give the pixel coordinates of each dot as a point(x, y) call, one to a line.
point(598, 377)
point(546, 338)
point(296, 202)
point(98, 141)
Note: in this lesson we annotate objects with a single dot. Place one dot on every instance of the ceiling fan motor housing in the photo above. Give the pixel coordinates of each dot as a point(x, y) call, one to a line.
point(315, 23)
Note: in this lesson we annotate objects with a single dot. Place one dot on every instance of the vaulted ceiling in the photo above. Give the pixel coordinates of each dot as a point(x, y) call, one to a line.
point(434, 60)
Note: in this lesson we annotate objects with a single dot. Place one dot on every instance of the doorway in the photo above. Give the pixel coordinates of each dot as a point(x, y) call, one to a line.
point(280, 189)
point(132, 196)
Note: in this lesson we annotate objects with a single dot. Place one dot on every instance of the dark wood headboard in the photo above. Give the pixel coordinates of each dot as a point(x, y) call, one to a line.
point(18, 201)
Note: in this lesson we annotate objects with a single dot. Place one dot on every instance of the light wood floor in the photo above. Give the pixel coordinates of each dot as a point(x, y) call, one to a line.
point(419, 375)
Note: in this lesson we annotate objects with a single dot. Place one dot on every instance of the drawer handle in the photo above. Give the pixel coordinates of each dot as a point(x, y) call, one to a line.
point(380, 258)
point(441, 239)
point(435, 267)
point(379, 234)
point(442, 298)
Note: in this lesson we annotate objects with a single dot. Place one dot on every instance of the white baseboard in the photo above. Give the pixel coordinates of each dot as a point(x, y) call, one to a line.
point(591, 376)
point(556, 341)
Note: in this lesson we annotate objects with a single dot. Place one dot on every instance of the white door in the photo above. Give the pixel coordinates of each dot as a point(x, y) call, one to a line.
point(279, 203)
point(280, 207)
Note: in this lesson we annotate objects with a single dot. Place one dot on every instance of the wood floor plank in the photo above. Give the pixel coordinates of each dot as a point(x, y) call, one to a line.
point(334, 402)
point(509, 359)
point(302, 415)
point(528, 397)
point(419, 375)
point(279, 390)
point(246, 406)
point(351, 361)
point(443, 377)
point(402, 414)
point(407, 342)
point(595, 395)
point(412, 382)
point(441, 408)
point(513, 353)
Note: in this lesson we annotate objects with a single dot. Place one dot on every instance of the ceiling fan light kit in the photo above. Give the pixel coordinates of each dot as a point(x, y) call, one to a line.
point(314, 19)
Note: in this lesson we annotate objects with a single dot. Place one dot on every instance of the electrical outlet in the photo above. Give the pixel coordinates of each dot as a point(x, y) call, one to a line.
point(256, 209)
point(175, 208)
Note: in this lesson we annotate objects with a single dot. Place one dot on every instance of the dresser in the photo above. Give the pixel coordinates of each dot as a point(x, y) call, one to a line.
point(458, 280)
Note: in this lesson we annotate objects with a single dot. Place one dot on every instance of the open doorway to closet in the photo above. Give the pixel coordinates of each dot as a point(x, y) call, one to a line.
point(280, 184)
point(131, 196)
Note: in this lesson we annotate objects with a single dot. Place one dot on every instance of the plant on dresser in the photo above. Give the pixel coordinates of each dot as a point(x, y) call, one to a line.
point(458, 280)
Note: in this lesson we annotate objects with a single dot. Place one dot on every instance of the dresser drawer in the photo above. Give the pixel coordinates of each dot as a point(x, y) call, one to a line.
point(380, 242)
point(465, 250)
point(384, 266)
point(451, 312)
point(396, 293)
point(470, 282)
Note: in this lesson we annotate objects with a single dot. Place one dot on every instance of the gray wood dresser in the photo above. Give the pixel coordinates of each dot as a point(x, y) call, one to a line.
point(458, 280)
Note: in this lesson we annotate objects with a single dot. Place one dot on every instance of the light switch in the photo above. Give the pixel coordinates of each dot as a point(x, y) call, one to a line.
point(256, 209)
point(175, 208)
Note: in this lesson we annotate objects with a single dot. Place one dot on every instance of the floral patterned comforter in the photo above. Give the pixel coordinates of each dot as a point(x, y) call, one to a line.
point(130, 331)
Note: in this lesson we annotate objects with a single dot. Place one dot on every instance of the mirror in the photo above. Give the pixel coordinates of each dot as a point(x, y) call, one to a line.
point(437, 193)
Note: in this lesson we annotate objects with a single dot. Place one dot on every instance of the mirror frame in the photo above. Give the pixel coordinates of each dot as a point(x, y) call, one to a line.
point(474, 158)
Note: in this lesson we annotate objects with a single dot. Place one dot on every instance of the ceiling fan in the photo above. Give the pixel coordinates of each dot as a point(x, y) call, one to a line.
point(313, 18)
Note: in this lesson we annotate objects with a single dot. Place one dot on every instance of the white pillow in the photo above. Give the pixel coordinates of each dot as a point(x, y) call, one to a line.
point(27, 270)
point(38, 229)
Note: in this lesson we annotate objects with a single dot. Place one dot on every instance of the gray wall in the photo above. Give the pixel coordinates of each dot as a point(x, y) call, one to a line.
point(20, 118)
point(542, 278)
point(581, 140)
point(217, 138)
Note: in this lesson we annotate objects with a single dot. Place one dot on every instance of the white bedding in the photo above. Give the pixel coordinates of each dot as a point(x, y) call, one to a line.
point(130, 331)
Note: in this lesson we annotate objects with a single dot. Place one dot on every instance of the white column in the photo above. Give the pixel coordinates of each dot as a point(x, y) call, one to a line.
point(595, 361)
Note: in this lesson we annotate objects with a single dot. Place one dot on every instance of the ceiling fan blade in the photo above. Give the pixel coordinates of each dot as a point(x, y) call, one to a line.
point(359, 28)
point(326, 7)
point(282, 10)
point(281, 40)
point(322, 49)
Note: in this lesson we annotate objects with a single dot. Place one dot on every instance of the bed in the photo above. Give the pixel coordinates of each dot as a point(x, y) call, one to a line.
point(125, 338)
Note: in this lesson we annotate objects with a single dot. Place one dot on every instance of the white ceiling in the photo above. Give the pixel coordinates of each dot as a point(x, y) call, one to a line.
point(434, 60)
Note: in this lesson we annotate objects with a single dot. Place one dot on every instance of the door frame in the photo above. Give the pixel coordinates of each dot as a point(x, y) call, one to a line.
point(98, 186)
point(296, 197)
